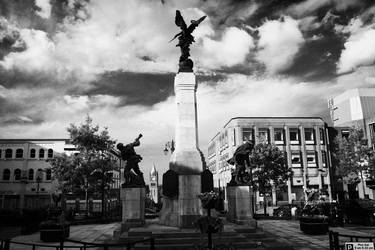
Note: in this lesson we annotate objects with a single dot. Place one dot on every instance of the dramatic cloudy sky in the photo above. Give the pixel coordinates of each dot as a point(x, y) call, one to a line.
point(63, 59)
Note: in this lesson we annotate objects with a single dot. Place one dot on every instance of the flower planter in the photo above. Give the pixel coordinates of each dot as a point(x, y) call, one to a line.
point(314, 225)
point(54, 234)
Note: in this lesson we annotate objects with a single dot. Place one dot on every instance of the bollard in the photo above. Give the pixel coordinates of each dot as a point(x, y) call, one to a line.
point(62, 243)
point(336, 241)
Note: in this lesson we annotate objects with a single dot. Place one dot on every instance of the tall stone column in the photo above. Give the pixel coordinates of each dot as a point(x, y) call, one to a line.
point(186, 161)
point(186, 158)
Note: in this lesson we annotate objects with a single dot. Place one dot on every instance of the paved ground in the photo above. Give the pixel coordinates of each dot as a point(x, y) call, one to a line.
point(97, 233)
point(288, 230)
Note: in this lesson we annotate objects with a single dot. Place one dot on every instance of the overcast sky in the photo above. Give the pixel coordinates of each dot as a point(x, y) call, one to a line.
point(63, 59)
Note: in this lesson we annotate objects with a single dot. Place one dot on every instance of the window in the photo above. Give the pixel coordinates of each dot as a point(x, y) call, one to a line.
point(294, 136)
point(17, 174)
point(19, 153)
point(263, 135)
point(279, 135)
point(324, 159)
point(31, 174)
point(41, 153)
point(322, 137)
point(311, 159)
point(6, 175)
point(8, 153)
point(309, 136)
point(247, 134)
point(1, 152)
point(48, 174)
point(50, 153)
point(296, 159)
point(32, 153)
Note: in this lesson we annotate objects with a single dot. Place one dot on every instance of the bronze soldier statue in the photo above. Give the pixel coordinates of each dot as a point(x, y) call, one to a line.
point(241, 159)
point(132, 159)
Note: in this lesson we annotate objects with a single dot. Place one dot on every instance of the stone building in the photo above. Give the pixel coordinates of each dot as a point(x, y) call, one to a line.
point(303, 139)
point(355, 107)
point(25, 174)
point(154, 184)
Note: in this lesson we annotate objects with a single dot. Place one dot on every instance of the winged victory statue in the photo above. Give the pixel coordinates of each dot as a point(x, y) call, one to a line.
point(185, 38)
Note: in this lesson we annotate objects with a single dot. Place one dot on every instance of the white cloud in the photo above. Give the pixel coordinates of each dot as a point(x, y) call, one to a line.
point(359, 49)
point(232, 49)
point(279, 43)
point(38, 55)
point(45, 8)
point(306, 7)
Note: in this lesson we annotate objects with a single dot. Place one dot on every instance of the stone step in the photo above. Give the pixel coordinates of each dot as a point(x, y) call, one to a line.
point(220, 245)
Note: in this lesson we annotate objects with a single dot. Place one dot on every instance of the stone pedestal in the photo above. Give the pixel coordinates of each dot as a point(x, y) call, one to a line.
point(186, 161)
point(133, 207)
point(240, 205)
point(184, 210)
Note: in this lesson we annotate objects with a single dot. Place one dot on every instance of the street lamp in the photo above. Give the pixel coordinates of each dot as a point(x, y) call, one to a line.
point(169, 146)
point(39, 178)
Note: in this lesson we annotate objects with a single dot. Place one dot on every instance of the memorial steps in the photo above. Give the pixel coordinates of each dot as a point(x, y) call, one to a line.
point(233, 237)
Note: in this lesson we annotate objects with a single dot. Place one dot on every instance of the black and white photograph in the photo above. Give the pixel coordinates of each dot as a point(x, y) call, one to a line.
point(187, 124)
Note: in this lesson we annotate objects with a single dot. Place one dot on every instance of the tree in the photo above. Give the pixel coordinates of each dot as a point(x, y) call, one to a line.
point(353, 155)
point(92, 166)
point(96, 164)
point(269, 168)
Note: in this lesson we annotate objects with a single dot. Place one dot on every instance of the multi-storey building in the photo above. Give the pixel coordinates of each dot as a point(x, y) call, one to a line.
point(303, 139)
point(25, 174)
point(355, 107)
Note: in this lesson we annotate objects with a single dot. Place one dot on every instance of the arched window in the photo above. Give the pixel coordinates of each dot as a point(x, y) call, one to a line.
point(8, 153)
point(41, 153)
point(31, 174)
point(48, 174)
point(6, 175)
point(39, 175)
point(17, 174)
point(19, 153)
point(50, 153)
point(32, 153)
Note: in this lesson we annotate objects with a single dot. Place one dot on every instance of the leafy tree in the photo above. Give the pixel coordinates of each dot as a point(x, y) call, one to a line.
point(96, 163)
point(353, 155)
point(93, 165)
point(269, 168)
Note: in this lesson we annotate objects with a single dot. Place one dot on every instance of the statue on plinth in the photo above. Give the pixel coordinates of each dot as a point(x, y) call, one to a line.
point(241, 160)
point(132, 178)
point(185, 38)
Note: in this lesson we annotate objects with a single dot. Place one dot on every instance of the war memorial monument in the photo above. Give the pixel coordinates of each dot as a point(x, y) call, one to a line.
point(187, 177)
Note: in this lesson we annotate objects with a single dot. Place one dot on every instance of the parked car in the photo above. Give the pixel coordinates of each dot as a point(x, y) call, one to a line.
point(359, 211)
point(285, 211)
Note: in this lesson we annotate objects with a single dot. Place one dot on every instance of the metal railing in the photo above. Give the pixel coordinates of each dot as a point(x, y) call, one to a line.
point(337, 241)
point(7, 245)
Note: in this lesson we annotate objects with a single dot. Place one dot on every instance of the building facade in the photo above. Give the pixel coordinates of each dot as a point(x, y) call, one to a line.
point(303, 139)
point(355, 107)
point(26, 179)
point(154, 184)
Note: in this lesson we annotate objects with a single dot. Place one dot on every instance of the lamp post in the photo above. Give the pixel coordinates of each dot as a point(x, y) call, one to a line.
point(169, 146)
point(38, 181)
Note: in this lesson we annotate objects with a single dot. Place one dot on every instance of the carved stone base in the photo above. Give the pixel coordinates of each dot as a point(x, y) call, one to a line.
point(133, 207)
point(183, 211)
point(240, 205)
